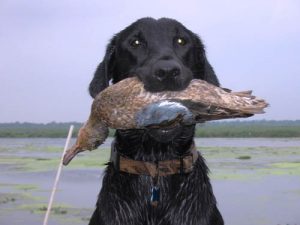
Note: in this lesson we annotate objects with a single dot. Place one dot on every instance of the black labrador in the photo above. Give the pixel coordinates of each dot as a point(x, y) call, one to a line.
point(164, 55)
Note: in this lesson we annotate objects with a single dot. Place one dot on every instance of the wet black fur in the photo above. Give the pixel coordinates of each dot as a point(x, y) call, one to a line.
point(124, 198)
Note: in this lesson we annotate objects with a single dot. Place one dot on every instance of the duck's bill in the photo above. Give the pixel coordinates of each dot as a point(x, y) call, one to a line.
point(71, 153)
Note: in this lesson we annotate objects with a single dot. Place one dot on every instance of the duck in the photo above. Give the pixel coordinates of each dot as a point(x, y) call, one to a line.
point(128, 105)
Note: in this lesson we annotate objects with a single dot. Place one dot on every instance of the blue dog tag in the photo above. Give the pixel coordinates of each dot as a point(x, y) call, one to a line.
point(155, 196)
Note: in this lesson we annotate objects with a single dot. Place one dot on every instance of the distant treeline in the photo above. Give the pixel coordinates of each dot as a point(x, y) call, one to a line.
point(256, 128)
point(52, 130)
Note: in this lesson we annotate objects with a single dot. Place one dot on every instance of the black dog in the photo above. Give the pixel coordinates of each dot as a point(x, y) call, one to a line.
point(164, 55)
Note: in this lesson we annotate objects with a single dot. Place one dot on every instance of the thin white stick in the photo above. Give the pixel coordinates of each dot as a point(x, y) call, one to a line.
point(57, 176)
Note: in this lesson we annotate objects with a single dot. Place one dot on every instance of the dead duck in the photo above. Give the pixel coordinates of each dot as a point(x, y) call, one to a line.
point(127, 105)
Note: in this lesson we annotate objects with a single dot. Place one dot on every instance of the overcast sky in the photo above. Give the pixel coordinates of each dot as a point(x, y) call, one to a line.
point(50, 49)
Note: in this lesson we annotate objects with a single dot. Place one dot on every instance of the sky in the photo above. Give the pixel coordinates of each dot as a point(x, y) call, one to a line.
point(49, 50)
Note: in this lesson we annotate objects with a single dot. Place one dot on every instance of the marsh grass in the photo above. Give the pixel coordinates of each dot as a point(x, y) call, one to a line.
point(244, 157)
point(224, 162)
point(57, 209)
point(34, 163)
point(26, 187)
point(4, 198)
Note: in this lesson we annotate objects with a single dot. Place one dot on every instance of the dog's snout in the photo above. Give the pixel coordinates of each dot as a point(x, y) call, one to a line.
point(166, 72)
point(166, 69)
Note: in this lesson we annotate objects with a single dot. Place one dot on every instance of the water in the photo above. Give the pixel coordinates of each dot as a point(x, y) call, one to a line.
point(209, 142)
point(254, 196)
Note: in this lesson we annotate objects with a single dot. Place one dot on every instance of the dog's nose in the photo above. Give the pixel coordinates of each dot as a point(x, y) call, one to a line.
point(166, 69)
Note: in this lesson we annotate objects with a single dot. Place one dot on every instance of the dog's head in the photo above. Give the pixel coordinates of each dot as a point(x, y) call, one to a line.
point(162, 53)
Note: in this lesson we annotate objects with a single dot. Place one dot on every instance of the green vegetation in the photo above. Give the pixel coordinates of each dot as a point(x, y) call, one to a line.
point(41, 208)
point(26, 187)
point(6, 198)
point(224, 162)
point(244, 157)
point(255, 128)
point(94, 159)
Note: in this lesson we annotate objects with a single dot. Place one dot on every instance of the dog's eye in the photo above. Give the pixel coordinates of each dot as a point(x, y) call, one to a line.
point(181, 41)
point(135, 43)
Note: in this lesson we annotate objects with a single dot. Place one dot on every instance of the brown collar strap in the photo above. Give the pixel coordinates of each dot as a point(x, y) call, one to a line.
point(179, 165)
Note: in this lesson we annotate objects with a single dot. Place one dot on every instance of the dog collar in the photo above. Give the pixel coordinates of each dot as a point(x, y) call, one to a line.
point(180, 165)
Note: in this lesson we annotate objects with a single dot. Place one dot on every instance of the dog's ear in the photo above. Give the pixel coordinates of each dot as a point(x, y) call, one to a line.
point(103, 73)
point(203, 68)
point(209, 73)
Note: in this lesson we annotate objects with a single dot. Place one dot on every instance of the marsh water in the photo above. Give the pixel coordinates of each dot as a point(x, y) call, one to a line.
point(256, 180)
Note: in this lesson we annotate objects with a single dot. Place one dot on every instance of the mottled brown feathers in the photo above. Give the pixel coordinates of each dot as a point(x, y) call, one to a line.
point(118, 105)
